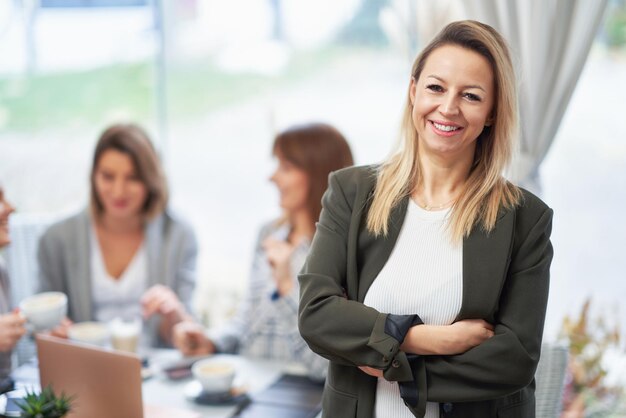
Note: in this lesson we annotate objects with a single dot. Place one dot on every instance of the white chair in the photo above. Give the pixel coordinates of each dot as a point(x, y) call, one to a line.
point(550, 379)
point(21, 262)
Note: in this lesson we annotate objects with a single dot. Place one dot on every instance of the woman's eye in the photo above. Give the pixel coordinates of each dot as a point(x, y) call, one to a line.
point(435, 87)
point(473, 97)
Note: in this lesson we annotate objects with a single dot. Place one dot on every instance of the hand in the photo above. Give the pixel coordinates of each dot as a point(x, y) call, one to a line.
point(447, 339)
point(466, 334)
point(278, 254)
point(162, 300)
point(61, 330)
point(11, 330)
point(189, 338)
point(371, 371)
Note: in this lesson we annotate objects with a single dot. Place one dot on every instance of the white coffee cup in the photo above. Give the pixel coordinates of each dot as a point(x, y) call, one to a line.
point(89, 332)
point(125, 334)
point(214, 374)
point(44, 310)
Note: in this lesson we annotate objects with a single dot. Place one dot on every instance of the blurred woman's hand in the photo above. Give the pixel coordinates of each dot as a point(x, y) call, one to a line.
point(11, 330)
point(189, 338)
point(61, 330)
point(163, 301)
point(278, 254)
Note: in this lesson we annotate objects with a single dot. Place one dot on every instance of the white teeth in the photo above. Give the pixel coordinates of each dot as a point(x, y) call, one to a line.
point(445, 128)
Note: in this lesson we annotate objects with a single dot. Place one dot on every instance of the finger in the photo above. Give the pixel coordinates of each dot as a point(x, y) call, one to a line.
point(270, 242)
point(151, 305)
point(153, 292)
point(192, 343)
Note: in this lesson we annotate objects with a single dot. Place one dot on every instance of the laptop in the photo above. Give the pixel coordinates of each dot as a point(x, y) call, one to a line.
point(104, 383)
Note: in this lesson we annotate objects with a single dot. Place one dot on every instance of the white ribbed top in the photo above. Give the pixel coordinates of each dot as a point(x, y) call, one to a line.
point(424, 276)
point(117, 297)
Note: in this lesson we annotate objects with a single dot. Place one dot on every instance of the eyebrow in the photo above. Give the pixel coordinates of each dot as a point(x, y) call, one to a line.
point(471, 86)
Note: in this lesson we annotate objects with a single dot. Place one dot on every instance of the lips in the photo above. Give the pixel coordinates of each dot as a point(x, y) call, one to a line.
point(445, 128)
point(120, 205)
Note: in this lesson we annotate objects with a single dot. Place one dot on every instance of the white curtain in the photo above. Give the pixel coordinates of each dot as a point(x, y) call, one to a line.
point(550, 40)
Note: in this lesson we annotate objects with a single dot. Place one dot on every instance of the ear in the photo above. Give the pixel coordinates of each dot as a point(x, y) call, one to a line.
point(490, 120)
point(412, 90)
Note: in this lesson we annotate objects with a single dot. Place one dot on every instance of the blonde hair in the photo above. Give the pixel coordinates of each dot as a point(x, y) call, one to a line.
point(485, 190)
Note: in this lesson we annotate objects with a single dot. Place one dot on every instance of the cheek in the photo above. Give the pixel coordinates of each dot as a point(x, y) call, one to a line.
point(140, 192)
point(100, 187)
point(423, 106)
point(478, 120)
point(303, 190)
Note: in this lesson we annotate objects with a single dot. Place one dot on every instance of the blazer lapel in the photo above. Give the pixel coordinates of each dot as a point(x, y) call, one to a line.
point(483, 281)
point(374, 252)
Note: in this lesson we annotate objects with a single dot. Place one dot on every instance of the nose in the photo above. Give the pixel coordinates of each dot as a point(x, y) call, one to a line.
point(274, 177)
point(119, 187)
point(6, 208)
point(449, 106)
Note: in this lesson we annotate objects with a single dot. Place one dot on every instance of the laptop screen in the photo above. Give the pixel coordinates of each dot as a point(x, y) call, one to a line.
point(104, 383)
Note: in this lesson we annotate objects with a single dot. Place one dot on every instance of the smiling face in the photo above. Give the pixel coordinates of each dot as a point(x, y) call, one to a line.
point(293, 185)
point(5, 211)
point(452, 102)
point(118, 186)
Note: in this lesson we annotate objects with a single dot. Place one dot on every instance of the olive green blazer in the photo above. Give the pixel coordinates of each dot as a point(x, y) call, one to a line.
point(505, 282)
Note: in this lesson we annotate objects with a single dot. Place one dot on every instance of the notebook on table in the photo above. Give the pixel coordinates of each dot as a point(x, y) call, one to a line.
point(105, 383)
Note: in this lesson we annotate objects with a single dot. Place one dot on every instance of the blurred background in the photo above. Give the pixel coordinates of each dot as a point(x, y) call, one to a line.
point(213, 81)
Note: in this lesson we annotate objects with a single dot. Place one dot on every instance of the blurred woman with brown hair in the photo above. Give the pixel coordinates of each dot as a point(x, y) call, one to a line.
point(266, 322)
point(126, 255)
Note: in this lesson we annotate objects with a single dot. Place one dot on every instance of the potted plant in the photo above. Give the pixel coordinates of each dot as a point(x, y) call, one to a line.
point(45, 404)
point(586, 393)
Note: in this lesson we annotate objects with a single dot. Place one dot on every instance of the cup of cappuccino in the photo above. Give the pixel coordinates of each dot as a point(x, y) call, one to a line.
point(214, 374)
point(89, 332)
point(44, 310)
point(125, 333)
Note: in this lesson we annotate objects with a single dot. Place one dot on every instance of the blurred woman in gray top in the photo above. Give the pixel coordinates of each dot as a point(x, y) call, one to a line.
point(125, 255)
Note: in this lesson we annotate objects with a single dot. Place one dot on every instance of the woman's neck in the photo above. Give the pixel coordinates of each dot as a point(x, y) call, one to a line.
point(302, 226)
point(440, 182)
point(128, 225)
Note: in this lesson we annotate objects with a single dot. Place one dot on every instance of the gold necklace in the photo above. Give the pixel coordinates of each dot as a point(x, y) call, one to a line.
point(434, 207)
point(430, 207)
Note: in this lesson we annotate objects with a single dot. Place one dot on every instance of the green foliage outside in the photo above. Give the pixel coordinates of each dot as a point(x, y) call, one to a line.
point(615, 28)
point(128, 92)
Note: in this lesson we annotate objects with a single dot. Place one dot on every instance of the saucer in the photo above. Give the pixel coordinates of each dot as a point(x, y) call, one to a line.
point(193, 391)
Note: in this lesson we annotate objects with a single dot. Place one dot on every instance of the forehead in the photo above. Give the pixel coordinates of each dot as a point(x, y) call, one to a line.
point(113, 159)
point(455, 64)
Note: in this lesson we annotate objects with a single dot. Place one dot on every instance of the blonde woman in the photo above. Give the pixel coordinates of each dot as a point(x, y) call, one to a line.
point(427, 280)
